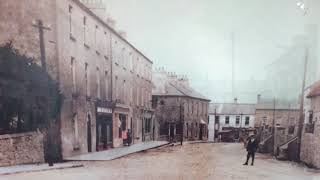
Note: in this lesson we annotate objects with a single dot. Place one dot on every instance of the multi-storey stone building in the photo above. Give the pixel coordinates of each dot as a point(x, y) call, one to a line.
point(104, 80)
point(279, 119)
point(310, 145)
point(178, 108)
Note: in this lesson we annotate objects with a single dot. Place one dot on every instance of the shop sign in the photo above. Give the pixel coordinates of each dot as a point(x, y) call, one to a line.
point(104, 110)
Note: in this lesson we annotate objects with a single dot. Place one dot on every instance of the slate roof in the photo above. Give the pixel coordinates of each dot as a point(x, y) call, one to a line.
point(277, 106)
point(315, 90)
point(165, 87)
point(232, 108)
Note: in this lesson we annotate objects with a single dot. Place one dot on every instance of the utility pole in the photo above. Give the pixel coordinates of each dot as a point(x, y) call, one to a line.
point(182, 123)
point(301, 116)
point(49, 134)
point(233, 63)
point(39, 24)
point(274, 128)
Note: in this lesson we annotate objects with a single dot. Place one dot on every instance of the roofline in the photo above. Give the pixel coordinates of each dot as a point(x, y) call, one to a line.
point(163, 95)
point(277, 109)
point(83, 7)
point(231, 114)
point(234, 103)
point(187, 95)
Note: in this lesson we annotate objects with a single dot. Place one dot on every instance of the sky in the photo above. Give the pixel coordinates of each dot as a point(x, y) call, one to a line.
point(193, 37)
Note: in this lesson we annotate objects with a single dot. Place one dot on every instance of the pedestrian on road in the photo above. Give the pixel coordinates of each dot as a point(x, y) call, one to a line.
point(252, 147)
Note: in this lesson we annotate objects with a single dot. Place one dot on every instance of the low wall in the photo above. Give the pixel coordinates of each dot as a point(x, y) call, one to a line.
point(21, 148)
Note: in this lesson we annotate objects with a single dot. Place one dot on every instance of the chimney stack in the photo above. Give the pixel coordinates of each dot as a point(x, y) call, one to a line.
point(258, 98)
point(235, 100)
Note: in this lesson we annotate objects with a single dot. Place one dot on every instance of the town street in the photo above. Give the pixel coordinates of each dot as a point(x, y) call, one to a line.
point(192, 161)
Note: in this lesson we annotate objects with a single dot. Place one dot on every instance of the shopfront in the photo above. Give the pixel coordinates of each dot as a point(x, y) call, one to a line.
point(104, 128)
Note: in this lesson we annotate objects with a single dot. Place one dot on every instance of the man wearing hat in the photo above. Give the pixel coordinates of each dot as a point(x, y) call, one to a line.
point(252, 146)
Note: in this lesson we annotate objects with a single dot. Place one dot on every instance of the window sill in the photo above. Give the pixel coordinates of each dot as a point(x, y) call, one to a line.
point(72, 38)
point(86, 46)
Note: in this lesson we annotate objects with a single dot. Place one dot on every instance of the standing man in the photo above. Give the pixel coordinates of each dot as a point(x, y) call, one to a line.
point(252, 147)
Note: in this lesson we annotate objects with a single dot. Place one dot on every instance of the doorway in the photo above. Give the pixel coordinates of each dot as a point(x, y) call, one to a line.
point(172, 127)
point(201, 132)
point(89, 134)
point(104, 137)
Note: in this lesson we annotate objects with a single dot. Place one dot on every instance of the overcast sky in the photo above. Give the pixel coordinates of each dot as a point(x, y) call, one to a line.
point(193, 37)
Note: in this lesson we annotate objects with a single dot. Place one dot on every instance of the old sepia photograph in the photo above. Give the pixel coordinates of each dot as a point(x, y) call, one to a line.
point(159, 90)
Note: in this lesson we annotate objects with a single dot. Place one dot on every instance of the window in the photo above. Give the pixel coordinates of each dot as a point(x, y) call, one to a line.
point(291, 130)
point(227, 120)
point(264, 120)
point(123, 121)
point(70, 19)
point(217, 119)
point(147, 125)
point(96, 36)
point(310, 117)
point(73, 74)
point(87, 79)
point(84, 29)
point(75, 125)
point(123, 94)
point(162, 102)
point(106, 84)
point(247, 121)
point(98, 84)
point(237, 120)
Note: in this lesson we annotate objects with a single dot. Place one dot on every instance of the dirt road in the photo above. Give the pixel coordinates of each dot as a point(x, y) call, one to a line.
point(192, 161)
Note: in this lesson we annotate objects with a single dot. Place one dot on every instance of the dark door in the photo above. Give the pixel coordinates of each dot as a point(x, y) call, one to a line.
point(104, 132)
point(171, 131)
point(201, 132)
point(89, 141)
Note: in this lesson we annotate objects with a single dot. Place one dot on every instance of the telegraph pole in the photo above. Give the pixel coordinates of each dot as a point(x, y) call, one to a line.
point(301, 116)
point(274, 128)
point(233, 63)
point(41, 28)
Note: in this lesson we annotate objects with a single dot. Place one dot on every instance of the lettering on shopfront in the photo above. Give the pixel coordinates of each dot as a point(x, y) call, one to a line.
point(104, 110)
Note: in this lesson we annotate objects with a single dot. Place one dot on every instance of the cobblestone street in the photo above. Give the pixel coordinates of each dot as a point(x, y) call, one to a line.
point(192, 161)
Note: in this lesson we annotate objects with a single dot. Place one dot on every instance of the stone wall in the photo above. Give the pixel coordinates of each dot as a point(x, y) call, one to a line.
point(21, 148)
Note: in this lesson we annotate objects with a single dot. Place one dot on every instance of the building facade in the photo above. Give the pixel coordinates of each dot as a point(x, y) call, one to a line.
point(277, 125)
point(104, 80)
point(232, 121)
point(310, 134)
point(179, 110)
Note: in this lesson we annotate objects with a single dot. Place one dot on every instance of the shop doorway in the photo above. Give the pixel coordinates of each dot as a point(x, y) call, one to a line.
point(89, 141)
point(104, 133)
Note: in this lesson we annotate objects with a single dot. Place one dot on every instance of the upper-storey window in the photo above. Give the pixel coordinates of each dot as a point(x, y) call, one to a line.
point(73, 73)
point(70, 19)
point(98, 83)
point(85, 29)
point(87, 79)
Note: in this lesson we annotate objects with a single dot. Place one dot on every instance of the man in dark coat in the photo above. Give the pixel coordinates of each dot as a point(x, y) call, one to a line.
point(252, 146)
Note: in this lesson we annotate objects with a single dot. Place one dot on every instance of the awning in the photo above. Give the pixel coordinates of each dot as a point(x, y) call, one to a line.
point(202, 121)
